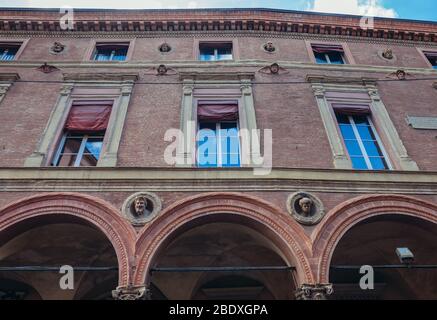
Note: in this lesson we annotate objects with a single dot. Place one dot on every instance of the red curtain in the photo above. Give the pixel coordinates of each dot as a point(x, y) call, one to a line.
point(89, 116)
point(352, 110)
point(326, 48)
point(217, 111)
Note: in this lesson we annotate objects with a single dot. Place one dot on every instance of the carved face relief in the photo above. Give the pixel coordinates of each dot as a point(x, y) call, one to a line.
point(388, 54)
point(274, 68)
point(141, 207)
point(306, 208)
point(162, 69)
point(269, 47)
point(164, 48)
point(57, 47)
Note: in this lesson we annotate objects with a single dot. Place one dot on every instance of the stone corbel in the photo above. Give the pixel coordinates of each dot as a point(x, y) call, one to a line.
point(318, 291)
point(131, 293)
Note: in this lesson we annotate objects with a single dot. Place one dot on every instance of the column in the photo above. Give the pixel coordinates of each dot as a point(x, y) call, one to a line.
point(131, 293)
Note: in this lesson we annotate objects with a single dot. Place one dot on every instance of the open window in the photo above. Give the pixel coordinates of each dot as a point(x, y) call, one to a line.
point(215, 51)
point(9, 50)
point(83, 135)
point(108, 51)
point(329, 54)
point(218, 139)
point(431, 56)
point(360, 137)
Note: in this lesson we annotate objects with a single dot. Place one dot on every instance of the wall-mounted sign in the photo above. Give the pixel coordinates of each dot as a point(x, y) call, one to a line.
point(428, 123)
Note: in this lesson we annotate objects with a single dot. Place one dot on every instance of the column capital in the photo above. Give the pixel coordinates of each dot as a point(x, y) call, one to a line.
point(317, 291)
point(131, 293)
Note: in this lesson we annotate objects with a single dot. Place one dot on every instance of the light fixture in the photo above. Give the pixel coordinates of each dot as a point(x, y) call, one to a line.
point(405, 255)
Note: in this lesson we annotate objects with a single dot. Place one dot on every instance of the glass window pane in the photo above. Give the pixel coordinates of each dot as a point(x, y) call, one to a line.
point(365, 132)
point(72, 144)
point(230, 146)
point(336, 58)
point(361, 120)
point(353, 148)
point(372, 149)
point(206, 148)
point(342, 119)
point(88, 160)
point(359, 163)
point(67, 160)
point(320, 57)
point(378, 163)
point(347, 131)
point(93, 146)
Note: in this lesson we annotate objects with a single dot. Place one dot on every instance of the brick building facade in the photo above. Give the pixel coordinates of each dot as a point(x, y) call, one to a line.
point(84, 129)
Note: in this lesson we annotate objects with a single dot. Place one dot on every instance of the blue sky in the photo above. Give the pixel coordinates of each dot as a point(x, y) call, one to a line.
point(406, 9)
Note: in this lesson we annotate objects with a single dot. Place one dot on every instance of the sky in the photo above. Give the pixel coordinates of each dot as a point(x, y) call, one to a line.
point(405, 9)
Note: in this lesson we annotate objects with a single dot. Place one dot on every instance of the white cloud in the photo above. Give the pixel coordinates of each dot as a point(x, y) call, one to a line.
point(356, 7)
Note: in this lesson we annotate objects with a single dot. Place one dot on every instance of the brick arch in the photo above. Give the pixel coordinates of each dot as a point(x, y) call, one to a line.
point(87, 208)
point(346, 215)
point(271, 221)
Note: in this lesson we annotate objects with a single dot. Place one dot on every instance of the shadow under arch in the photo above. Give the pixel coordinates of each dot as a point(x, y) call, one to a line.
point(66, 206)
point(348, 214)
point(284, 233)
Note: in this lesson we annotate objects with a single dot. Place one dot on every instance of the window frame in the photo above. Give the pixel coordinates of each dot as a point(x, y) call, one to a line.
point(216, 49)
point(361, 144)
point(22, 43)
point(80, 153)
point(233, 41)
point(347, 56)
point(219, 145)
point(91, 53)
point(422, 53)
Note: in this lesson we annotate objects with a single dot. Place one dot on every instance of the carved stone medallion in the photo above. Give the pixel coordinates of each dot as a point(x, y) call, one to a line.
point(141, 207)
point(306, 208)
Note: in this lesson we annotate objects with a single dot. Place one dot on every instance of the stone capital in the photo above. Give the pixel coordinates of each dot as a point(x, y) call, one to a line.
point(131, 293)
point(317, 291)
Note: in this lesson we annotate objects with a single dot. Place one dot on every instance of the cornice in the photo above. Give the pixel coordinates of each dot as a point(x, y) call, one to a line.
point(9, 77)
point(217, 75)
point(190, 65)
point(189, 180)
point(218, 19)
point(341, 80)
point(100, 76)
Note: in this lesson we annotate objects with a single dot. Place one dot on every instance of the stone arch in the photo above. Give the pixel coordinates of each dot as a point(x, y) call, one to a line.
point(93, 210)
point(346, 215)
point(252, 211)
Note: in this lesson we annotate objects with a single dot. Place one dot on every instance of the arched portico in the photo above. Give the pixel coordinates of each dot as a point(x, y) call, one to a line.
point(355, 212)
point(80, 212)
point(280, 232)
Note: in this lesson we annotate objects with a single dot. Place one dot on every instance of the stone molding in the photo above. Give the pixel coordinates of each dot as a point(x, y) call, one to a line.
point(6, 81)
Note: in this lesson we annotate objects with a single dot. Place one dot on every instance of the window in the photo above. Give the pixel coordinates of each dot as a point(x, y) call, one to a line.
point(82, 140)
point(362, 142)
point(215, 51)
point(432, 58)
point(218, 141)
point(328, 54)
point(111, 51)
point(79, 149)
point(8, 51)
